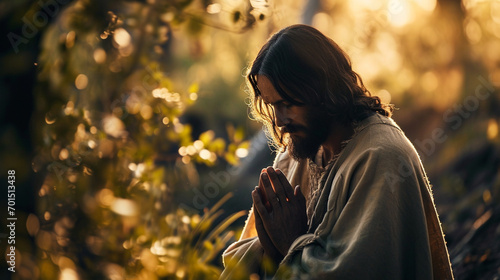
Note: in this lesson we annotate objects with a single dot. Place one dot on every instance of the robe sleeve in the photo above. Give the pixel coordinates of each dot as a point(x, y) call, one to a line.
point(374, 226)
point(242, 259)
point(245, 256)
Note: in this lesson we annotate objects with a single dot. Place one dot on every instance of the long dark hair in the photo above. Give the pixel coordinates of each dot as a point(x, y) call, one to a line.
point(308, 68)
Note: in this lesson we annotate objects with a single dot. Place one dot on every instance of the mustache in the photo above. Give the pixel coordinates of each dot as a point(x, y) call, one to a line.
point(292, 128)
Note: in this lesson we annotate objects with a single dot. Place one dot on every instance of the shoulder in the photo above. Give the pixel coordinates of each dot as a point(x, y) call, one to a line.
point(378, 134)
point(380, 147)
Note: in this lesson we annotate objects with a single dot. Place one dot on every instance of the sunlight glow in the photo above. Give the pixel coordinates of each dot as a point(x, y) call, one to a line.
point(205, 154)
point(121, 37)
point(427, 5)
point(99, 55)
point(384, 96)
point(32, 224)
point(473, 31)
point(198, 144)
point(68, 274)
point(241, 152)
point(214, 8)
point(492, 129)
point(113, 126)
point(401, 13)
point(81, 81)
point(63, 154)
point(146, 112)
point(182, 151)
point(124, 207)
point(105, 197)
point(429, 82)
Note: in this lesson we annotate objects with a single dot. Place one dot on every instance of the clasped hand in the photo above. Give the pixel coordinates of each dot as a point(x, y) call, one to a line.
point(280, 213)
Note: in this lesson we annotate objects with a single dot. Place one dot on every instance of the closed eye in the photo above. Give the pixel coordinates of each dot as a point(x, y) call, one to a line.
point(281, 103)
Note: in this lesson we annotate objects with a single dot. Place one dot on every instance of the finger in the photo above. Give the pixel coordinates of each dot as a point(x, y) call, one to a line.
point(299, 195)
point(257, 202)
point(286, 185)
point(271, 195)
point(265, 240)
point(259, 226)
point(263, 195)
point(276, 183)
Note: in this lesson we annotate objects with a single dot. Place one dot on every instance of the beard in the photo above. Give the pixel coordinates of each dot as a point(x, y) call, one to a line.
point(316, 132)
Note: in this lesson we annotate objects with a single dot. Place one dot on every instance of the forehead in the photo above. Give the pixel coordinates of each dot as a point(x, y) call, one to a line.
point(267, 90)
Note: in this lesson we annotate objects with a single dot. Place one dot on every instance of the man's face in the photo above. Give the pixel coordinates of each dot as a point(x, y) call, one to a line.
point(307, 127)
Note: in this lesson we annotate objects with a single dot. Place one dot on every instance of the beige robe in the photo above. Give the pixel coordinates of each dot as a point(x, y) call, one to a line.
point(375, 218)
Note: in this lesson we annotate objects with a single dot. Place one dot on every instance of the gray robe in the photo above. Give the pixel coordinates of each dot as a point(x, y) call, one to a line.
point(375, 217)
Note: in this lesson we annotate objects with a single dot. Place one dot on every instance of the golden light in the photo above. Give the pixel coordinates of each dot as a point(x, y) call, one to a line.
point(157, 249)
point(427, 5)
point(91, 144)
point(81, 81)
point(492, 131)
point(193, 96)
point(356, 5)
point(44, 240)
point(105, 197)
point(124, 207)
point(323, 22)
point(93, 130)
point(146, 112)
point(186, 159)
point(165, 120)
point(185, 219)
point(49, 120)
point(121, 37)
point(182, 151)
point(68, 274)
point(180, 273)
point(99, 55)
point(384, 96)
point(473, 31)
point(191, 150)
point(487, 196)
point(214, 8)
point(32, 224)
point(429, 81)
point(241, 152)
point(198, 144)
point(133, 104)
point(205, 154)
point(178, 127)
point(132, 166)
point(141, 167)
point(400, 13)
point(63, 154)
point(148, 260)
point(43, 190)
point(495, 11)
point(69, 108)
point(70, 39)
point(213, 157)
point(113, 126)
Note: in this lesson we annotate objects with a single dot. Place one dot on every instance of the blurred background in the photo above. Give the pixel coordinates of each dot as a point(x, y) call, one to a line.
point(127, 127)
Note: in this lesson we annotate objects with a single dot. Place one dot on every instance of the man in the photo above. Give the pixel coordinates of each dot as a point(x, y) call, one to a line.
point(362, 206)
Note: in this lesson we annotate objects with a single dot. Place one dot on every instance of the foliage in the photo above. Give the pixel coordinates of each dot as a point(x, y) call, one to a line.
point(116, 150)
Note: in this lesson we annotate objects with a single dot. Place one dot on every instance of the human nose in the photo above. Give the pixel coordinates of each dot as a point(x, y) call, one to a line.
point(282, 116)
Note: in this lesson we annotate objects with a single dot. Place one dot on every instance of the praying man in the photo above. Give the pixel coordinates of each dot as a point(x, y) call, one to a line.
point(347, 196)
